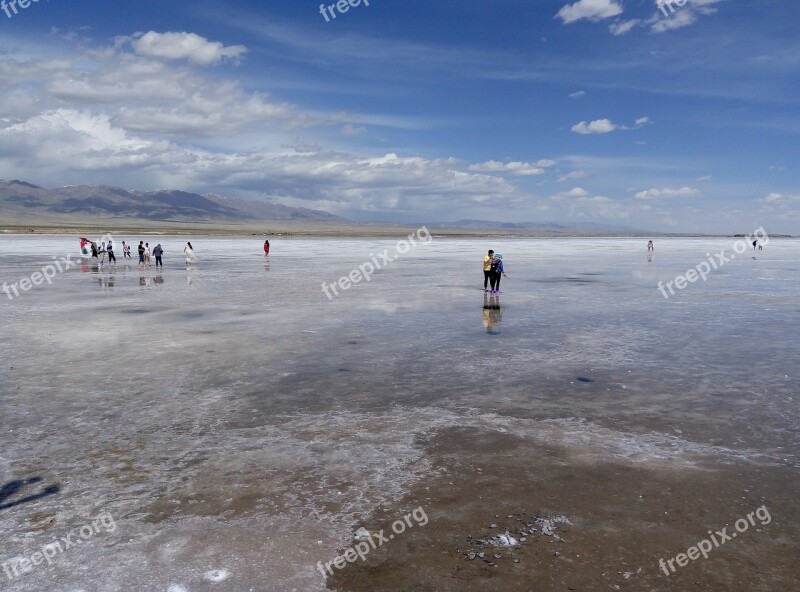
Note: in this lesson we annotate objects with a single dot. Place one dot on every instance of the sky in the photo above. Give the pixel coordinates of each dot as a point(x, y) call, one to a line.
point(682, 118)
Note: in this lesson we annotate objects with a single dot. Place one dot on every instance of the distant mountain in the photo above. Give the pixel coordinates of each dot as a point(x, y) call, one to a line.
point(537, 226)
point(19, 199)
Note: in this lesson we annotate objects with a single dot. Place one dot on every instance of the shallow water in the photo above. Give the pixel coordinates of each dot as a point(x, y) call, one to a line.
point(231, 417)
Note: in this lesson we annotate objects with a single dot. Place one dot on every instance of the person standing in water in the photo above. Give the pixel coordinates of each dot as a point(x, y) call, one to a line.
point(487, 270)
point(147, 254)
point(190, 256)
point(650, 246)
point(141, 253)
point(110, 251)
point(266, 247)
point(157, 252)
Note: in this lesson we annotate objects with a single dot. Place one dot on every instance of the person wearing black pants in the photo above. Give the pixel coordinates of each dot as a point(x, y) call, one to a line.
point(487, 270)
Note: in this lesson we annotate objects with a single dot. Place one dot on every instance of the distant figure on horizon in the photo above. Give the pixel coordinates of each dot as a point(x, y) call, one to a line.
point(650, 246)
point(487, 270)
point(157, 252)
point(266, 247)
point(755, 242)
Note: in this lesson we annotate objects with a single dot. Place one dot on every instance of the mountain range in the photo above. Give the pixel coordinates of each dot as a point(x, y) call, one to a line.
point(23, 201)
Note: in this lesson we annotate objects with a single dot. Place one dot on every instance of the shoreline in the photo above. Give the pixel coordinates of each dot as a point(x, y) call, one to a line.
point(342, 232)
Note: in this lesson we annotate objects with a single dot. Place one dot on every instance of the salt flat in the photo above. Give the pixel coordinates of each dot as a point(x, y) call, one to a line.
point(239, 425)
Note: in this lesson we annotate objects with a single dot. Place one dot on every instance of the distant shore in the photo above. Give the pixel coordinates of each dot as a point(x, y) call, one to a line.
point(287, 229)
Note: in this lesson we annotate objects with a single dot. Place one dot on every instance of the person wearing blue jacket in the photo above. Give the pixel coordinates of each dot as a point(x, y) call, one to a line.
point(497, 271)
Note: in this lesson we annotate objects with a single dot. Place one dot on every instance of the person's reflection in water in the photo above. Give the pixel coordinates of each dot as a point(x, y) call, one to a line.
point(650, 256)
point(159, 279)
point(492, 314)
point(266, 263)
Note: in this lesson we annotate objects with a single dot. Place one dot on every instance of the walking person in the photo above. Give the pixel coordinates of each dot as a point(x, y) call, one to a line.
point(141, 253)
point(147, 254)
point(110, 251)
point(266, 247)
point(126, 250)
point(157, 252)
point(650, 246)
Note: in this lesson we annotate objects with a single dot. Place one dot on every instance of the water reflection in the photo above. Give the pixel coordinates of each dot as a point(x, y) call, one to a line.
point(492, 314)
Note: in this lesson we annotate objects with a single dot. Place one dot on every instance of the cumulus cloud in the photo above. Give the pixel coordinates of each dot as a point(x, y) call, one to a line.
point(185, 46)
point(604, 126)
point(667, 193)
point(598, 126)
point(593, 10)
point(515, 167)
point(574, 192)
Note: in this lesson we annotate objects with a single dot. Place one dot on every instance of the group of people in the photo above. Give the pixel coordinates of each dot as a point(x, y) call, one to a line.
point(492, 272)
point(146, 256)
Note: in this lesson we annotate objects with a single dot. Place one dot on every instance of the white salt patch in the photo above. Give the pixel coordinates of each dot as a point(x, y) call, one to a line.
point(362, 534)
point(506, 540)
point(217, 575)
point(176, 588)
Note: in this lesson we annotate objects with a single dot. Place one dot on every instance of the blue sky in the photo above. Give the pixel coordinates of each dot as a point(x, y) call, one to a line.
point(604, 111)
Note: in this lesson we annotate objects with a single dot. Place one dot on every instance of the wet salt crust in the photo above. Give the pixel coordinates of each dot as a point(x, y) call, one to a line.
point(218, 428)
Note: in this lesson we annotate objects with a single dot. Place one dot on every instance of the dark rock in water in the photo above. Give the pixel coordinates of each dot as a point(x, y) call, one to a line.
point(584, 379)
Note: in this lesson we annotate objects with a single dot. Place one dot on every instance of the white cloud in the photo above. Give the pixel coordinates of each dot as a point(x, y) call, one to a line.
point(599, 126)
point(516, 168)
point(571, 175)
point(592, 10)
point(781, 199)
point(668, 193)
point(622, 27)
point(577, 94)
point(604, 126)
point(574, 192)
point(185, 46)
point(683, 17)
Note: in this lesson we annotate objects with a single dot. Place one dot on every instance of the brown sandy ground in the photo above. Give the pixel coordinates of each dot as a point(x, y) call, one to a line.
point(623, 519)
